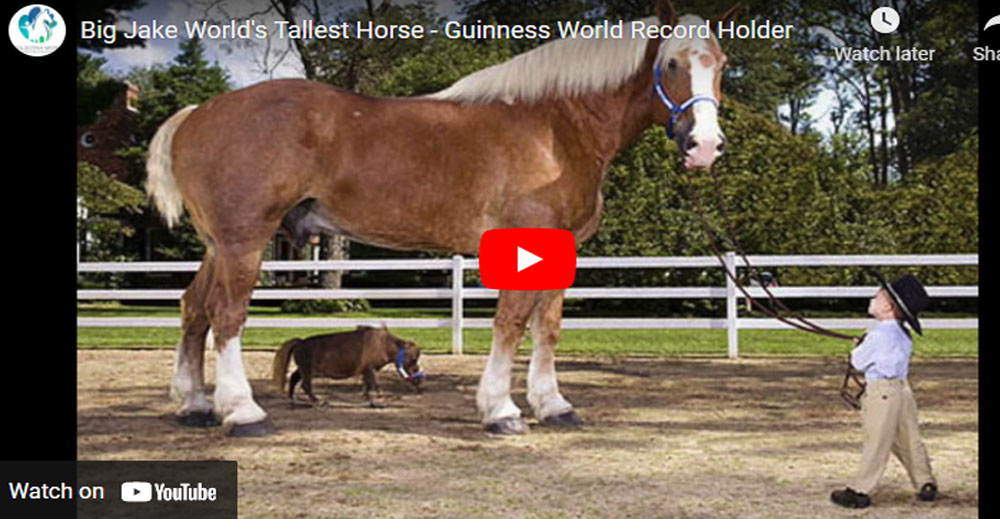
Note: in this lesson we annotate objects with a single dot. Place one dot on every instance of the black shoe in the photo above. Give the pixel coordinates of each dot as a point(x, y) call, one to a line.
point(928, 492)
point(850, 499)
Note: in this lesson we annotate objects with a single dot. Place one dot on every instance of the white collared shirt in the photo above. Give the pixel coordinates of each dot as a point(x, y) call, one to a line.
point(884, 353)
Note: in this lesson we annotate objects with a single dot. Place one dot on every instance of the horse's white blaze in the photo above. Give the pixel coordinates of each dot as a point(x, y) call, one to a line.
point(493, 396)
point(188, 386)
point(233, 395)
point(543, 389)
point(706, 131)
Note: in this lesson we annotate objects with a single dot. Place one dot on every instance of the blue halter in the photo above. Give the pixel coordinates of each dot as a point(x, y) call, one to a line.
point(675, 110)
point(400, 356)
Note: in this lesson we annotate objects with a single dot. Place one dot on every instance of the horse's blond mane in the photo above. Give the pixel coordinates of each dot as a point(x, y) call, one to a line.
point(565, 67)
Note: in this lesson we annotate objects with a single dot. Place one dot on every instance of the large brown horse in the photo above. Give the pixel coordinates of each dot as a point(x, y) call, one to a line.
point(521, 144)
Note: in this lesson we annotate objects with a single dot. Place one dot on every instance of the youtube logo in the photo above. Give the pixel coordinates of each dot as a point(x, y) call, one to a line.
point(527, 259)
point(137, 492)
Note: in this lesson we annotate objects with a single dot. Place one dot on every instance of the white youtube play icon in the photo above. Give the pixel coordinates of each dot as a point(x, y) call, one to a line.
point(525, 259)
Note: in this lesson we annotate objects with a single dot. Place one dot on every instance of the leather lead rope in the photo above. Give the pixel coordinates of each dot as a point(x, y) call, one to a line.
point(851, 397)
point(754, 272)
point(804, 324)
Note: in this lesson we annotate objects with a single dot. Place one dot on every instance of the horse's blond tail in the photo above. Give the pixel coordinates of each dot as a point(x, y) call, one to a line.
point(279, 367)
point(160, 185)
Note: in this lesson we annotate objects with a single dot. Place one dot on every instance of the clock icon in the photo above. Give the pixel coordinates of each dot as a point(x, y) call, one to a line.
point(885, 20)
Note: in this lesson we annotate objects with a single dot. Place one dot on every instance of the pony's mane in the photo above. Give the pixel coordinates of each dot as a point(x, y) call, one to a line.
point(565, 68)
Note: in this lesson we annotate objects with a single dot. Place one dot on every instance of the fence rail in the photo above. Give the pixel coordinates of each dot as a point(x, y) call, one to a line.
point(458, 293)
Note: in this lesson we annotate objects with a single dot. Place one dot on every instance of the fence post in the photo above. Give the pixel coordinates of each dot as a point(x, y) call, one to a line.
point(457, 308)
point(731, 307)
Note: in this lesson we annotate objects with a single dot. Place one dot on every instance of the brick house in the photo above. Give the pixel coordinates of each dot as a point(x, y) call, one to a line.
point(112, 130)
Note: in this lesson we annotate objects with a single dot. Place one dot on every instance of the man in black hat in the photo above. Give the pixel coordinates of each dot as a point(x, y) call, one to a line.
point(888, 409)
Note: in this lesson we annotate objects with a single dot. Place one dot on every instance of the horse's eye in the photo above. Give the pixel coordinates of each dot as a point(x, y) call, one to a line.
point(672, 65)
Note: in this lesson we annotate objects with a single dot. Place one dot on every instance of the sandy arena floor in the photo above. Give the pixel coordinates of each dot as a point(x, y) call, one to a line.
point(664, 438)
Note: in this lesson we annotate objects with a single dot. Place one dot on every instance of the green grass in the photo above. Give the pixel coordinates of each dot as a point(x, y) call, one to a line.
point(934, 343)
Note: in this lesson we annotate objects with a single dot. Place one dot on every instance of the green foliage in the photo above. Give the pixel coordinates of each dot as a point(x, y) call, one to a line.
point(100, 194)
point(95, 90)
point(773, 79)
point(777, 193)
point(325, 306)
point(942, 110)
point(908, 111)
point(444, 62)
point(102, 204)
point(936, 211)
point(773, 192)
point(358, 64)
point(526, 12)
point(189, 80)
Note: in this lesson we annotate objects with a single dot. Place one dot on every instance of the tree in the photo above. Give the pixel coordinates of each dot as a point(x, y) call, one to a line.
point(189, 80)
point(526, 12)
point(95, 90)
point(102, 206)
point(935, 209)
point(107, 13)
point(444, 62)
point(909, 110)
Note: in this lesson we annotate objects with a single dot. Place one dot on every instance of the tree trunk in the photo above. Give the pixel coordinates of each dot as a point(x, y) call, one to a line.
point(884, 145)
point(896, 91)
point(866, 102)
point(334, 248)
point(794, 111)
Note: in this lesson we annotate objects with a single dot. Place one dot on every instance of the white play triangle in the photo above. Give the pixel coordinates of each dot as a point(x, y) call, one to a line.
point(525, 259)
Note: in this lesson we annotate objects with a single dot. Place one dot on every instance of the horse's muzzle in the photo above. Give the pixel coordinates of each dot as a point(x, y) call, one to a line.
point(700, 152)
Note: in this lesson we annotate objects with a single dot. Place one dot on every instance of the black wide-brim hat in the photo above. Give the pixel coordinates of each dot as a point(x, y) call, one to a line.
point(909, 295)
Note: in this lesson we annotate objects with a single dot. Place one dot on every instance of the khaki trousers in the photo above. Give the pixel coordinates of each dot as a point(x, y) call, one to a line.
point(889, 420)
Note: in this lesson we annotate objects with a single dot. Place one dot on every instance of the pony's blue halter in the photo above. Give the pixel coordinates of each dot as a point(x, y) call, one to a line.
point(400, 356)
point(675, 110)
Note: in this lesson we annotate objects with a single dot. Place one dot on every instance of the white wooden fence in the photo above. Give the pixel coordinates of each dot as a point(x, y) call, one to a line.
point(458, 293)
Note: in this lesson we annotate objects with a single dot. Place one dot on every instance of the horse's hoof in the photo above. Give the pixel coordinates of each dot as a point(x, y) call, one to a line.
point(198, 419)
point(376, 405)
point(567, 419)
point(251, 430)
point(508, 426)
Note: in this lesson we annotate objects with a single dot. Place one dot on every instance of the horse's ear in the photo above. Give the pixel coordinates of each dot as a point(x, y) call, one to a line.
point(666, 13)
point(729, 15)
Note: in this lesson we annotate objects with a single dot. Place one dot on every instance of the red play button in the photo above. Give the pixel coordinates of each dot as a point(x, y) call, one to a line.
point(527, 259)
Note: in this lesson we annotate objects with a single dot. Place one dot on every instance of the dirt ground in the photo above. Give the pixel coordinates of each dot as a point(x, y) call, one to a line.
point(663, 438)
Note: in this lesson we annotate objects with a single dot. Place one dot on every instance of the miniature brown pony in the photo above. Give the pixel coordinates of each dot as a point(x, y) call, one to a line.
point(521, 144)
point(363, 351)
